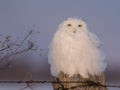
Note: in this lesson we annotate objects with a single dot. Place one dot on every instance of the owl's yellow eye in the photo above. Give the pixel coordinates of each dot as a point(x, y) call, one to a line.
point(80, 25)
point(69, 25)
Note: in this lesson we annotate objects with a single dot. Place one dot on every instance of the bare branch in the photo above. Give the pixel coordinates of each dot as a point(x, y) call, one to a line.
point(25, 38)
point(13, 54)
point(9, 49)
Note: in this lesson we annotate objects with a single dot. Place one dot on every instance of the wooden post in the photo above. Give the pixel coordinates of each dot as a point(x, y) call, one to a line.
point(66, 83)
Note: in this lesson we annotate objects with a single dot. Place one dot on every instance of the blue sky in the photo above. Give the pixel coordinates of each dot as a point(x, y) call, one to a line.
point(101, 16)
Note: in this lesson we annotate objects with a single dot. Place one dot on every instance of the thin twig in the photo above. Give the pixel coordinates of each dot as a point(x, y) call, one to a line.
point(13, 54)
point(24, 39)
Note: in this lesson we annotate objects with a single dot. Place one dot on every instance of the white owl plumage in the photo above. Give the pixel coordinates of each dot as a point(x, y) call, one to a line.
point(75, 50)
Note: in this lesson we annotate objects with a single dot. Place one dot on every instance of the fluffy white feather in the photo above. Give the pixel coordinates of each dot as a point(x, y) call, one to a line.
point(75, 50)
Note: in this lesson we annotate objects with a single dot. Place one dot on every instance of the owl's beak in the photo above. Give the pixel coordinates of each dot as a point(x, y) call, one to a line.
point(74, 31)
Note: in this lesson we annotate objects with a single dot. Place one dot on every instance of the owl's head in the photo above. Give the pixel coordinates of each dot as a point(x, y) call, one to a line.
point(73, 26)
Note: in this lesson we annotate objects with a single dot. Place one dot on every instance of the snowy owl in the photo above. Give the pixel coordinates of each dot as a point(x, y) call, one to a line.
point(75, 50)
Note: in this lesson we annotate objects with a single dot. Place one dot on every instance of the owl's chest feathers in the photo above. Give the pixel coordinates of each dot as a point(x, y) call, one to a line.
point(75, 41)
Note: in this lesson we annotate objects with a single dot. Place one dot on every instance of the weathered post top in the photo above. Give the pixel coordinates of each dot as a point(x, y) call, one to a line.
point(64, 82)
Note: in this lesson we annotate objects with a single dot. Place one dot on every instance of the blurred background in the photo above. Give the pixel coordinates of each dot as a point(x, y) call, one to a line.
point(17, 17)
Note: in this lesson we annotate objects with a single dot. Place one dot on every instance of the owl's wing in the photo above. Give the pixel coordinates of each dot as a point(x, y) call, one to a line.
point(95, 40)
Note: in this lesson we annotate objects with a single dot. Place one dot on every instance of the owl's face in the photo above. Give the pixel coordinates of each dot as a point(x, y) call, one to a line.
point(73, 26)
